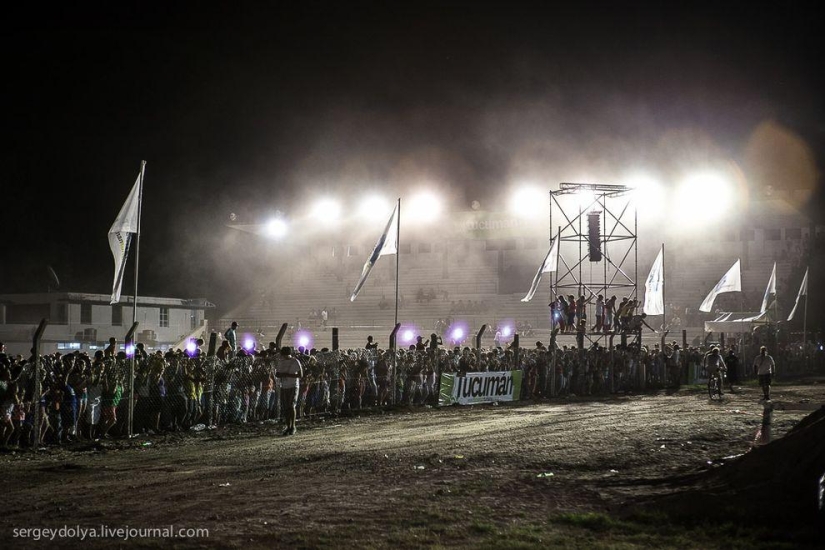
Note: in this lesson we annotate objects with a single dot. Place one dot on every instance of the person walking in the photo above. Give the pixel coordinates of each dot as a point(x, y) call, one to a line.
point(290, 372)
point(732, 361)
point(764, 367)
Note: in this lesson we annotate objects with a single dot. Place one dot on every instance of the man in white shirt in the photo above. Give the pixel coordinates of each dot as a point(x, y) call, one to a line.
point(764, 367)
point(290, 372)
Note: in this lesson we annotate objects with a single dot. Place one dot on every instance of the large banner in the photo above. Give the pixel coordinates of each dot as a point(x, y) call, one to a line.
point(479, 387)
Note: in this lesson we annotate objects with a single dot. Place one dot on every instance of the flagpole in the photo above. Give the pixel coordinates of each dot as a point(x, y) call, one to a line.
point(664, 299)
point(805, 328)
point(134, 302)
point(397, 255)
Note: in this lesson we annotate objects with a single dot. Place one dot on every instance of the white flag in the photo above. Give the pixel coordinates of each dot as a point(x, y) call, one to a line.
point(730, 282)
point(549, 264)
point(120, 236)
point(655, 286)
point(803, 291)
point(770, 290)
point(386, 245)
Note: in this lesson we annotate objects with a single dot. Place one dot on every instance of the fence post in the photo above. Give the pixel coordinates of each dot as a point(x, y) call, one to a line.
point(129, 339)
point(611, 370)
point(684, 358)
point(38, 389)
point(394, 362)
point(211, 363)
point(478, 344)
point(516, 351)
point(280, 336)
point(334, 338)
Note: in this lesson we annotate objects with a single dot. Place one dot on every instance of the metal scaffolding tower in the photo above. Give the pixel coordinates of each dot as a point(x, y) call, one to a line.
point(604, 261)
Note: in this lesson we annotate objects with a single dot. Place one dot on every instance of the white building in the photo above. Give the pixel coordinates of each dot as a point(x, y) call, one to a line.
point(78, 321)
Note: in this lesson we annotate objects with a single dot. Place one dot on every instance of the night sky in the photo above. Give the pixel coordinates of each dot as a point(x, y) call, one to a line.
point(247, 109)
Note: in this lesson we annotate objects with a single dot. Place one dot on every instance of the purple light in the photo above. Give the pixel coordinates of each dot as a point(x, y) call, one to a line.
point(458, 332)
point(506, 326)
point(130, 350)
point(406, 334)
point(249, 344)
point(191, 346)
point(303, 338)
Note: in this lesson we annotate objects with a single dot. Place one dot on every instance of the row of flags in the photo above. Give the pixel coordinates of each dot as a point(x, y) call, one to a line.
point(654, 304)
point(127, 224)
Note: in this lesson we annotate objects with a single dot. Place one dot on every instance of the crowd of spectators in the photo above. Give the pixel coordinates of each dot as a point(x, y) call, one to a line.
point(87, 397)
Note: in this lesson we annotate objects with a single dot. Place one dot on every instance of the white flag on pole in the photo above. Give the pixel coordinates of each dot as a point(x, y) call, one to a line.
point(730, 282)
point(387, 244)
point(655, 287)
point(770, 290)
point(120, 237)
point(803, 291)
point(549, 264)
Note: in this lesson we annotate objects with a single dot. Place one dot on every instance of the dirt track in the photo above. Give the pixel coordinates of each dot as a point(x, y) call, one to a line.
point(402, 478)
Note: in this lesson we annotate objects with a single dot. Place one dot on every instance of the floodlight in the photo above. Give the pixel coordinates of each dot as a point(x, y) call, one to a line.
point(424, 207)
point(374, 208)
point(703, 197)
point(529, 202)
point(326, 210)
point(585, 198)
point(648, 195)
point(277, 228)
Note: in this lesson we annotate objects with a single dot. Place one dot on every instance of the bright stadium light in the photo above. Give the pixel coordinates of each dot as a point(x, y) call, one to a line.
point(424, 207)
point(703, 197)
point(585, 199)
point(374, 208)
point(648, 194)
point(326, 210)
point(277, 228)
point(528, 202)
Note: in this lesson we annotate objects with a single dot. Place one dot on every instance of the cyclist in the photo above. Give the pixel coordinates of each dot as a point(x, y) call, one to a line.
point(715, 367)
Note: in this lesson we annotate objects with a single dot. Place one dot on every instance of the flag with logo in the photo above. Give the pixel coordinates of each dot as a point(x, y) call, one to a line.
point(387, 244)
point(771, 290)
point(655, 286)
point(730, 282)
point(549, 265)
point(803, 291)
point(120, 236)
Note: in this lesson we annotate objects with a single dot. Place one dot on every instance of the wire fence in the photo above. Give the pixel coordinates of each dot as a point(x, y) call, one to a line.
point(89, 398)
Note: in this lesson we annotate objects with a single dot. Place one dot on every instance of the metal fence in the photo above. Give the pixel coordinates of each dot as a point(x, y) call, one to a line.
point(88, 398)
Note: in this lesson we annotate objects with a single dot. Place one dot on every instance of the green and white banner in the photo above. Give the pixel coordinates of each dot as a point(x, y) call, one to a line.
point(479, 387)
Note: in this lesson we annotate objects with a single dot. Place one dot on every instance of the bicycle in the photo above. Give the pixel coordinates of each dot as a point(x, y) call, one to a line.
point(715, 382)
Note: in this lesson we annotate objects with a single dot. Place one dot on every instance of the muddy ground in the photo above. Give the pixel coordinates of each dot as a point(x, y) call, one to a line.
point(561, 473)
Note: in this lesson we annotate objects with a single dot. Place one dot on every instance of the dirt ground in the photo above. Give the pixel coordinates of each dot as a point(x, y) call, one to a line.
point(560, 473)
